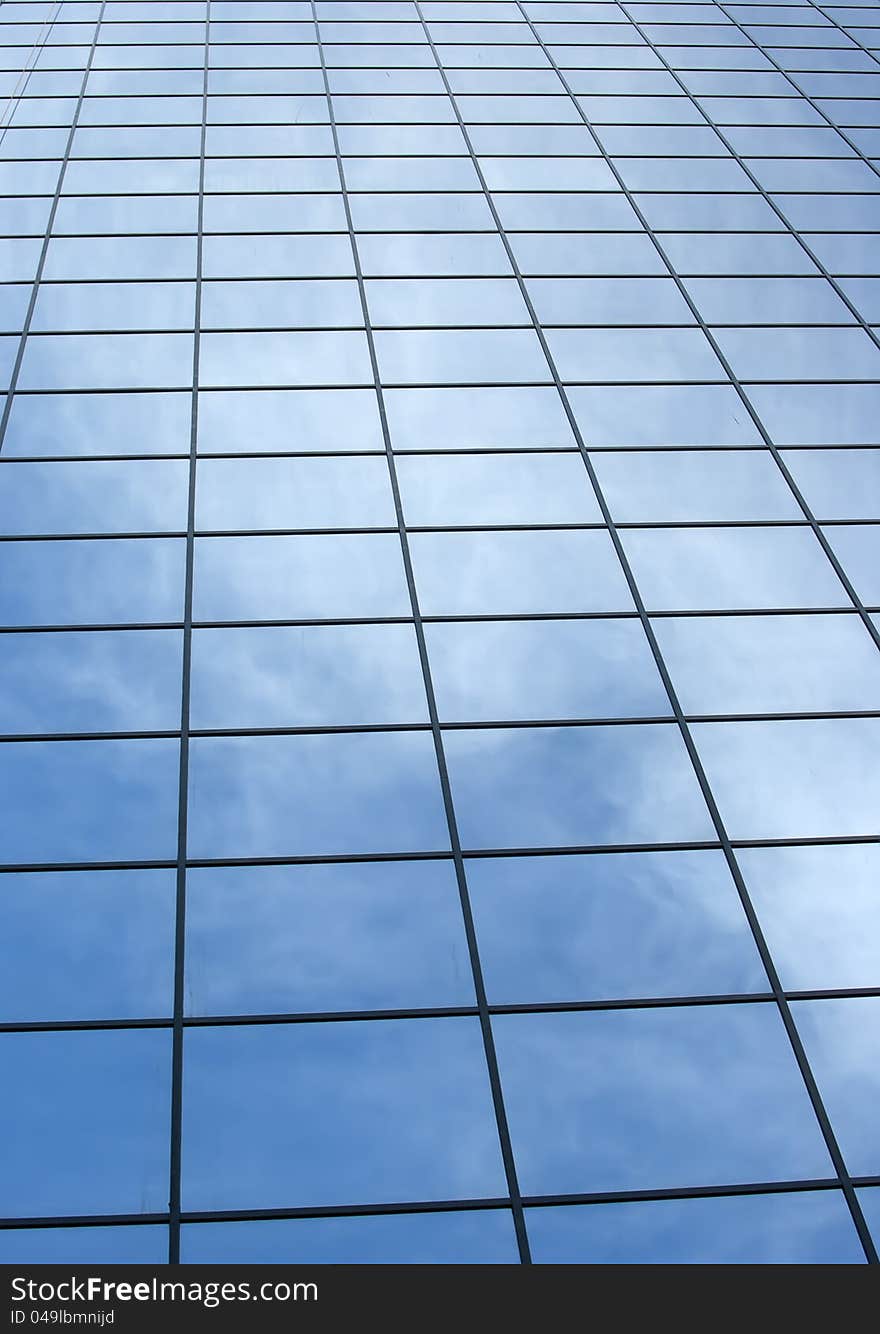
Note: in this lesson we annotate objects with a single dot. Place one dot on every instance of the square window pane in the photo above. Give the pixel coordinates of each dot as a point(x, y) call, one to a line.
point(109, 955)
point(105, 1148)
point(818, 909)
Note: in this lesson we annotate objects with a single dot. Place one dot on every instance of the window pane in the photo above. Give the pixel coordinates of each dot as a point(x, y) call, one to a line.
point(760, 664)
point(643, 1099)
point(608, 926)
point(807, 1227)
point(92, 681)
point(319, 675)
point(283, 939)
point(86, 801)
point(104, 1149)
point(545, 787)
point(517, 670)
point(469, 1237)
point(818, 910)
point(379, 1111)
point(110, 954)
point(314, 795)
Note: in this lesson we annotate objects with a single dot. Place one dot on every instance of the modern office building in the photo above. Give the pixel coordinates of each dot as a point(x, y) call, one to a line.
point(440, 665)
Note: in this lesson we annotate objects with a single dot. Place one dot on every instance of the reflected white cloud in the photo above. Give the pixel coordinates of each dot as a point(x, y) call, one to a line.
point(630, 1099)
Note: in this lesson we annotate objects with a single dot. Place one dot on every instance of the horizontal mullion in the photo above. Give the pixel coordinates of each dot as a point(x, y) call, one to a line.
point(298, 1017)
point(487, 617)
point(473, 854)
point(369, 530)
point(446, 725)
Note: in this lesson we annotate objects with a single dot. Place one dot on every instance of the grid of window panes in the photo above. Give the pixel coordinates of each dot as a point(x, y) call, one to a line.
point(440, 496)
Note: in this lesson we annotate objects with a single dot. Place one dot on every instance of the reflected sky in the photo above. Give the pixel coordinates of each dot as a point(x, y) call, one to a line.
point(523, 787)
point(707, 569)
point(470, 1237)
point(842, 1041)
point(756, 664)
point(81, 497)
point(72, 424)
point(517, 670)
point(314, 795)
point(82, 682)
point(793, 779)
point(610, 926)
point(84, 1245)
point(818, 908)
point(110, 954)
point(307, 645)
point(109, 1151)
point(342, 1113)
point(634, 1098)
point(309, 675)
point(494, 573)
point(283, 939)
point(803, 1228)
point(268, 578)
point(88, 800)
point(92, 582)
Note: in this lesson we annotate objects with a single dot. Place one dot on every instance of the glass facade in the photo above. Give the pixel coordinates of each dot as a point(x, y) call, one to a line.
point(440, 505)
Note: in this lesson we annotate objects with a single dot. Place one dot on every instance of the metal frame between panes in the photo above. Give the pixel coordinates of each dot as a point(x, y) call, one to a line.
point(776, 994)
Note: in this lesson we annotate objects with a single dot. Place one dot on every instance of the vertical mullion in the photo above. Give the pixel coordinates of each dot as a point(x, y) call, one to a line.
point(685, 731)
point(174, 1201)
point(780, 997)
point(768, 198)
point(786, 75)
point(445, 786)
point(796, 492)
point(50, 223)
point(840, 28)
point(27, 69)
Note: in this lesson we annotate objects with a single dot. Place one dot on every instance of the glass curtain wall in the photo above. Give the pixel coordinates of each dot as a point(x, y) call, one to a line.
point(439, 671)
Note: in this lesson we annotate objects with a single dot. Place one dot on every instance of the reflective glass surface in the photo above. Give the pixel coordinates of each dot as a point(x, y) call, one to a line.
point(398, 1109)
point(804, 1228)
point(585, 1116)
point(439, 605)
